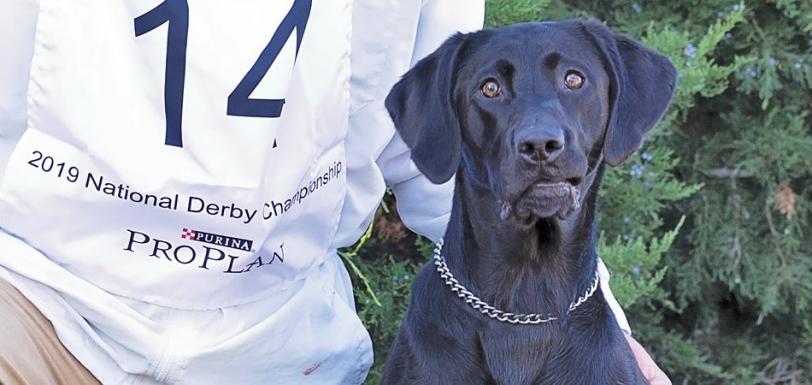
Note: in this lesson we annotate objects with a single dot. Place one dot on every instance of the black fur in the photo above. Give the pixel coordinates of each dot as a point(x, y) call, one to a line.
point(517, 243)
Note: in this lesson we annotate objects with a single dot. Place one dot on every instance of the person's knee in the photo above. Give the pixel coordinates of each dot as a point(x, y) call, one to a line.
point(20, 360)
point(30, 351)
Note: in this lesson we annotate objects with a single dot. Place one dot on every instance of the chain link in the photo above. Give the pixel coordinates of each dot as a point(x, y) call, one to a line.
point(492, 312)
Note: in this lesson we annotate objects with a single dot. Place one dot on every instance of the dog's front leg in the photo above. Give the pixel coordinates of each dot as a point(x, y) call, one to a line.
point(434, 350)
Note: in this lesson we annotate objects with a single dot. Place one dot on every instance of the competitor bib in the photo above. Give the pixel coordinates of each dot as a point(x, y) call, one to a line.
point(187, 153)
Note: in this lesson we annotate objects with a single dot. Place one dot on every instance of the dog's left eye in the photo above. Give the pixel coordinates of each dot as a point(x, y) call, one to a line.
point(573, 80)
point(491, 89)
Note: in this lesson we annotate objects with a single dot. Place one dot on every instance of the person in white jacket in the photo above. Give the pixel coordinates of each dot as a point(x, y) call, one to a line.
point(178, 175)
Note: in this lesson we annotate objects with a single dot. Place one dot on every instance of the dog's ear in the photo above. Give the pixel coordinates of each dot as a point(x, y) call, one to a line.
point(421, 105)
point(641, 86)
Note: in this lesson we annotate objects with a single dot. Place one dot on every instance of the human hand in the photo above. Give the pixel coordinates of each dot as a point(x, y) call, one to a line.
point(651, 371)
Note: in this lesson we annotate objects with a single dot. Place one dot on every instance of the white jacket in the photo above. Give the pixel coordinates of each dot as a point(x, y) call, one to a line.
point(177, 177)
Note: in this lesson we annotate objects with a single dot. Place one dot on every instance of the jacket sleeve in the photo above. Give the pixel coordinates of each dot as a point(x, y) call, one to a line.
point(603, 273)
point(17, 26)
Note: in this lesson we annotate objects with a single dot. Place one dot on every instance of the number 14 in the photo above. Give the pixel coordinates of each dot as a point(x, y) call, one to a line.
point(176, 14)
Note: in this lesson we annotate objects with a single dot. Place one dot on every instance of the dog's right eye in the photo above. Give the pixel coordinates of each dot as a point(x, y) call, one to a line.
point(573, 80)
point(491, 89)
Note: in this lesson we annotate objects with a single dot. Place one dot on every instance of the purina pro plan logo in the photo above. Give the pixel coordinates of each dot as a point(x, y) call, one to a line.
point(206, 250)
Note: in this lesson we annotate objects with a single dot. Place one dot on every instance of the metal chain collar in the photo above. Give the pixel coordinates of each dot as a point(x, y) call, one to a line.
point(492, 312)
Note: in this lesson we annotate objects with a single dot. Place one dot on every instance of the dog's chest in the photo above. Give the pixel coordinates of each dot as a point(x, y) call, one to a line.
point(543, 355)
point(517, 355)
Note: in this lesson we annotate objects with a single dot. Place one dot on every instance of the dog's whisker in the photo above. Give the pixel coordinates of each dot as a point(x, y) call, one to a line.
point(575, 194)
point(505, 211)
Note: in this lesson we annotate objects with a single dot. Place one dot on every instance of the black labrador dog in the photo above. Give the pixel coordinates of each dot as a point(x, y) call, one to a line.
point(527, 116)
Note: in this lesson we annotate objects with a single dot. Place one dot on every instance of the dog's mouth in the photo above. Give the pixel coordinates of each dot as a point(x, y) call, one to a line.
point(545, 199)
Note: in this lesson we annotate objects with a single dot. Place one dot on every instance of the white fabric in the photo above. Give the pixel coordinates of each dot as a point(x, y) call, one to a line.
point(127, 304)
point(224, 215)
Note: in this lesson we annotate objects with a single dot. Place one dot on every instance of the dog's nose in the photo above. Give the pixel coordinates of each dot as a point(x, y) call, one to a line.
point(540, 144)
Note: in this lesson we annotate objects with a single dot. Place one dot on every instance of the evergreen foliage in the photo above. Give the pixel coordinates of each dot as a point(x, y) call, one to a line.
point(708, 229)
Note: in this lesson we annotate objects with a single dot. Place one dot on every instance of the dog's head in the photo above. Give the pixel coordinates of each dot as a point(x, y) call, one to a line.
point(530, 110)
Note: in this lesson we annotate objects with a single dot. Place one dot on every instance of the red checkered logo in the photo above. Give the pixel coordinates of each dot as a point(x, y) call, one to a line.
point(217, 239)
point(187, 234)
